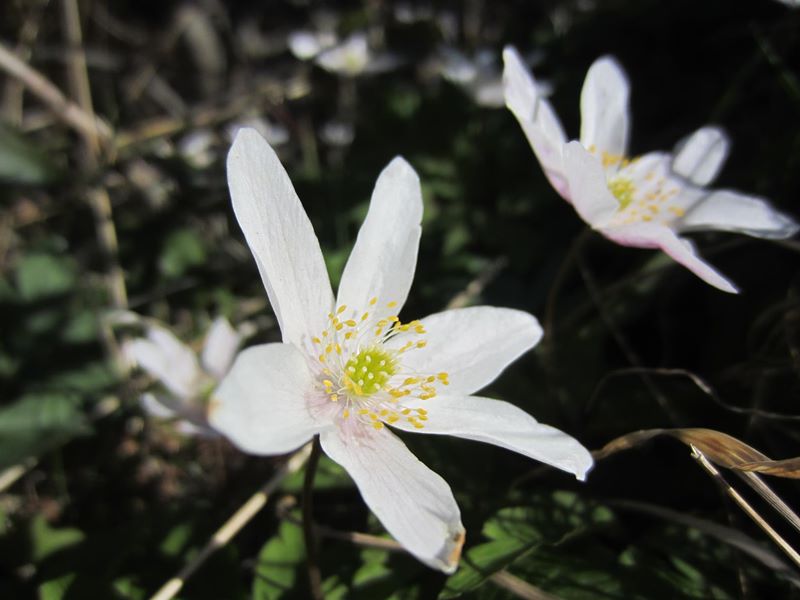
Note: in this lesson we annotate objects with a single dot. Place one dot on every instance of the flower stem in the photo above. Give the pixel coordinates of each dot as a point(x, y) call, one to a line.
point(312, 559)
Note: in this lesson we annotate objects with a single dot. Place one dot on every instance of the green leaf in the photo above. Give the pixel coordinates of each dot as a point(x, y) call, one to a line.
point(183, 249)
point(46, 540)
point(41, 276)
point(278, 563)
point(36, 423)
point(22, 162)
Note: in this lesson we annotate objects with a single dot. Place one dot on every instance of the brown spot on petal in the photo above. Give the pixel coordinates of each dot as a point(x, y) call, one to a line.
point(458, 543)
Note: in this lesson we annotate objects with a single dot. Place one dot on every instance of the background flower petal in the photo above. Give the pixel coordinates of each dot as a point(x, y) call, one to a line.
point(536, 117)
point(166, 359)
point(649, 235)
point(700, 156)
point(731, 211)
point(262, 404)
point(588, 186)
point(413, 503)
point(219, 349)
point(502, 424)
point(280, 236)
point(605, 107)
point(384, 257)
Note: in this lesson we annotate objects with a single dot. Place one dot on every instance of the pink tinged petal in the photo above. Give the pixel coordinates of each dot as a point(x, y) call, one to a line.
point(588, 186)
point(384, 257)
point(730, 211)
point(263, 404)
point(501, 424)
point(191, 418)
point(700, 156)
point(649, 235)
point(219, 350)
point(472, 345)
point(413, 503)
point(281, 238)
point(165, 358)
point(605, 111)
point(536, 117)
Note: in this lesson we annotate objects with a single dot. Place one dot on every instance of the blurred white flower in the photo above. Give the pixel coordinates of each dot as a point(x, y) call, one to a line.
point(480, 76)
point(354, 57)
point(644, 201)
point(187, 381)
point(305, 44)
point(337, 133)
point(197, 148)
point(275, 133)
point(349, 367)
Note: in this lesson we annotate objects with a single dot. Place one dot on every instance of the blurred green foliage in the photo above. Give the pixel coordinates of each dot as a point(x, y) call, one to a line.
point(117, 503)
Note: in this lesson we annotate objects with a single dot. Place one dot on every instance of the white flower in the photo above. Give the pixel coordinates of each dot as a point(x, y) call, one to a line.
point(645, 201)
point(188, 382)
point(348, 367)
point(353, 57)
point(479, 76)
point(305, 44)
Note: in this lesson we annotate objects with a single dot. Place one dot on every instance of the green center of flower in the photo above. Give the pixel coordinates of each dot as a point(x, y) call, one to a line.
point(368, 371)
point(623, 190)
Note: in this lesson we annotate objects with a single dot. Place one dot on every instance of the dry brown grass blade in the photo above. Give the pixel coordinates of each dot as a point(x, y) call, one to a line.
point(720, 448)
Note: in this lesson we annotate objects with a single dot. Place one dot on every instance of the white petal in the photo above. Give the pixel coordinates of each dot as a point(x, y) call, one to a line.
point(649, 235)
point(588, 186)
point(605, 107)
point(414, 504)
point(159, 407)
point(384, 257)
point(219, 350)
point(351, 57)
point(472, 345)
point(280, 236)
point(537, 118)
point(730, 211)
point(165, 358)
point(502, 424)
point(306, 44)
point(262, 405)
point(700, 156)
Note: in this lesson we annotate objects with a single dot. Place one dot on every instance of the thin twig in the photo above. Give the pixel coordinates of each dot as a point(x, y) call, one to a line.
point(99, 200)
point(233, 525)
point(70, 113)
point(476, 286)
point(745, 506)
point(622, 342)
point(312, 558)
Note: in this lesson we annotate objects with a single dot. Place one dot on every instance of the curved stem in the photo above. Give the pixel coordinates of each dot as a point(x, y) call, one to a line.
point(312, 559)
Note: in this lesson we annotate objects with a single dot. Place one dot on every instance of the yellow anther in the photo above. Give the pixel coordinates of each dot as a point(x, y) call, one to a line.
point(418, 425)
point(334, 397)
point(348, 335)
point(338, 349)
point(373, 301)
point(422, 411)
point(392, 419)
point(377, 425)
point(350, 323)
point(394, 318)
point(442, 376)
point(341, 309)
point(405, 411)
point(328, 348)
point(411, 381)
point(363, 411)
point(321, 358)
point(327, 383)
point(422, 343)
point(391, 304)
point(316, 340)
point(339, 326)
point(427, 396)
point(365, 316)
point(384, 412)
point(345, 414)
point(430, 379)
point(324, 334)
